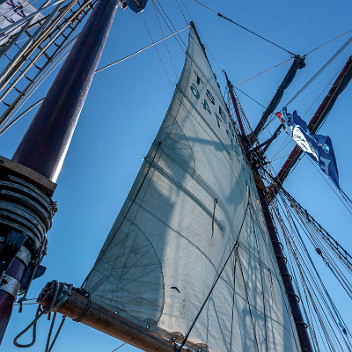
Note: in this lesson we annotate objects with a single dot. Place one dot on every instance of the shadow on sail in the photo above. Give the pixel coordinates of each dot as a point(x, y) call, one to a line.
point(189, 257)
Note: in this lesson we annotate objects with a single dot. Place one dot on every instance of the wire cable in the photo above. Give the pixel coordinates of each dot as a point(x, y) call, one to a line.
point(260, 73)
point(171, 23)
point(330, 41)
point(245, 28)
point(338, 52)
point(162, 32)
point(248, 96)
point(140, 50)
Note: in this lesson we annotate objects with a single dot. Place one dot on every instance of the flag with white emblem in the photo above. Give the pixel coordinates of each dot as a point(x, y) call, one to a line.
point(318, 147)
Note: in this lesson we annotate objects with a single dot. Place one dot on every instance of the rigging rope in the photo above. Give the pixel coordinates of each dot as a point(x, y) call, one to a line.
point(248, 301)
point(260, 73)
point(140, 50)
point(248, 96)
point(268, 245)
point(117, 348)
point(319, 95)
point(311, 222)
point(7, 123)
point(338, 52)
point(347, 204)
point(234, 248)
point(172, 25)
point(315, 293)
point(245, 28)
point(240, 110)
point(61, 57)
point(330, 41)
point(330, 301)
point(162, 32)
point(183, 15)
point(202, 39)
point(261, 274)
point(42, 74)
point(40, 311)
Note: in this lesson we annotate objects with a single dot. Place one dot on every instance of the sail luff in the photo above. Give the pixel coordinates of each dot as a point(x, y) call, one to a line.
point(276, 244)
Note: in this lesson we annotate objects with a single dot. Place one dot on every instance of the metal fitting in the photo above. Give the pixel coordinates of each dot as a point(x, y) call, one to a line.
point(24, 255)
point(10, 285)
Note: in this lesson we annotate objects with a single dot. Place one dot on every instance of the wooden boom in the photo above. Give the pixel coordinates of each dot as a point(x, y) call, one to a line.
point(80, 308)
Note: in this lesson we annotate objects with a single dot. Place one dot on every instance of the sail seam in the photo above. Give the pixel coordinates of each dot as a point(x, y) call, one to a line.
point(201, 205)
point(191, 172)
point(178, 233)
point(219, 275)
point(248, 301)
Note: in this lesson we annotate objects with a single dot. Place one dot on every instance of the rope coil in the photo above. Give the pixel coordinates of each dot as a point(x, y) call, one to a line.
point(59, 293)
point(26, 209)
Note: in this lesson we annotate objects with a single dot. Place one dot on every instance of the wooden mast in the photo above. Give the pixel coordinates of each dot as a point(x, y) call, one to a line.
point(41, 153)
point(298, 63)
point(277, 247)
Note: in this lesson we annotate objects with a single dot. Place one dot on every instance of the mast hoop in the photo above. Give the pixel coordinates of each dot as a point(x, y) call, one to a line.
point(10, 285)
point(291, 294)
point(24, 208)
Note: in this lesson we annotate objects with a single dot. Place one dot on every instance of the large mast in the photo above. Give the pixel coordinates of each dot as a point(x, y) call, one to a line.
point(277, 246)
point(29, 178)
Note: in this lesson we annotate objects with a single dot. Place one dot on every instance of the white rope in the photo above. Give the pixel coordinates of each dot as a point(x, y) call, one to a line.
point(140, 50)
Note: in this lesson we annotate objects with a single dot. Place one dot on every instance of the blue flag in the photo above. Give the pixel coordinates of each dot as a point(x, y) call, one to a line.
point(318, 147)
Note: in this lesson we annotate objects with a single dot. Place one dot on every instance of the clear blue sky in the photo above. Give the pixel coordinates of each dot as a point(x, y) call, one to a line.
point(127, 103)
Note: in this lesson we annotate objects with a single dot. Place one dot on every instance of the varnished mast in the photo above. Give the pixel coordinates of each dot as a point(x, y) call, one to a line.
point(38, 159)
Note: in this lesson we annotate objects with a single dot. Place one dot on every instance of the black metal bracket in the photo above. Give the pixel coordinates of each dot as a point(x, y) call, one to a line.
point(32, 273)
point(10, 247)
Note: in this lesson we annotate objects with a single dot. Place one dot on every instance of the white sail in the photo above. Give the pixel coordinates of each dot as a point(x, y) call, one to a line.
point(189, 251)
point(12, 11)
